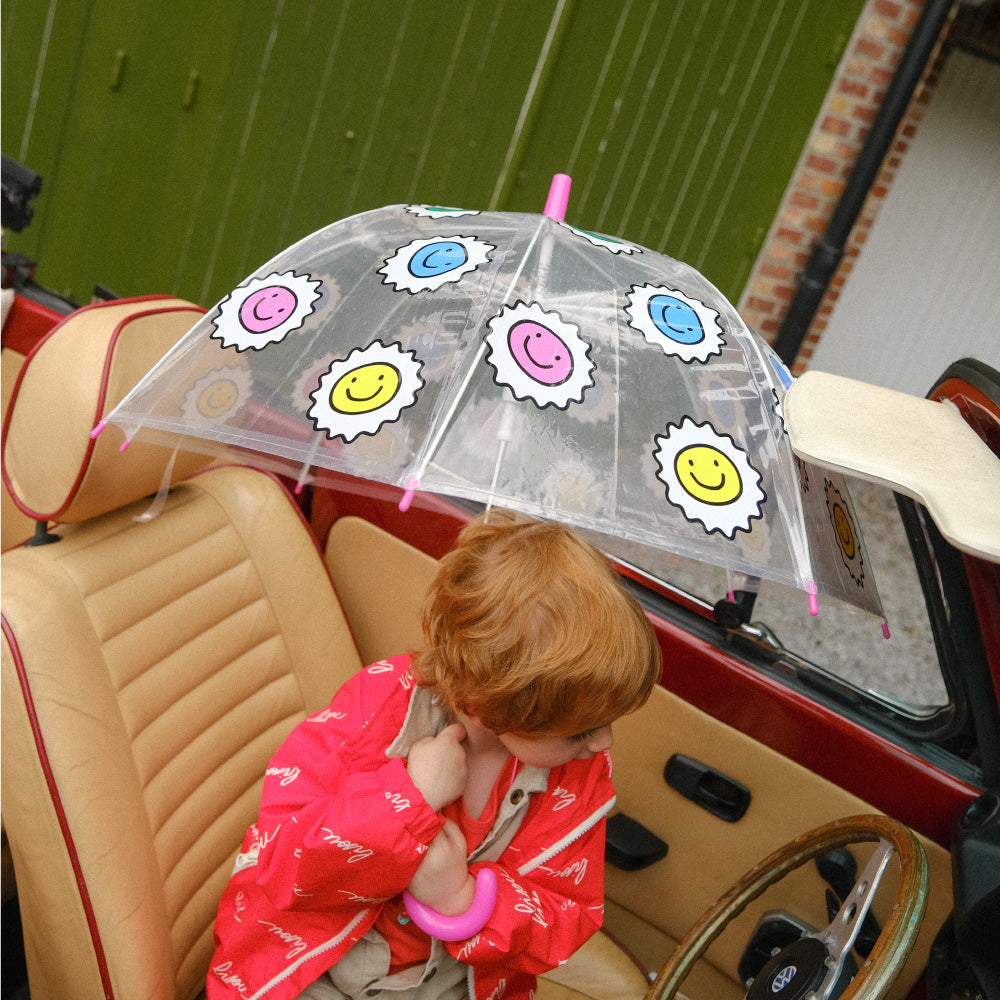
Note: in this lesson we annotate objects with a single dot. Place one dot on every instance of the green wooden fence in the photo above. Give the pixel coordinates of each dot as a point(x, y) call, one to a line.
point(184, 143)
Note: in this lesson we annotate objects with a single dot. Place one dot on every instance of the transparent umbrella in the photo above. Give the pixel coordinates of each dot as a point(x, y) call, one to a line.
point(516, 360)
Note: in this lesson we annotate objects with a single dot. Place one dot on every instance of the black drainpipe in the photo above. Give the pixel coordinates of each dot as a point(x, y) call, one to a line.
point(826, 254)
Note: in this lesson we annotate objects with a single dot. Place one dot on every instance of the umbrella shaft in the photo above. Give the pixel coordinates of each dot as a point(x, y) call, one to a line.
point(431, 447)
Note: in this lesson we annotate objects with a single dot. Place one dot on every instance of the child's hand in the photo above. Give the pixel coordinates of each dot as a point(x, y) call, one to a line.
point(438, 767)
point(443, 881)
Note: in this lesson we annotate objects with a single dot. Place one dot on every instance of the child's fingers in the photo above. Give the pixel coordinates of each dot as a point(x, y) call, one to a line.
point(456, 731)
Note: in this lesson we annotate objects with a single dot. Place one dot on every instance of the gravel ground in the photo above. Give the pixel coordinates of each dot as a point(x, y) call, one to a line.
point(849, 643)
point(841, 639)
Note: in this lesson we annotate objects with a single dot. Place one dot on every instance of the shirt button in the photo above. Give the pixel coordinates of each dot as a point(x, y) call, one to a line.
point(516, 796)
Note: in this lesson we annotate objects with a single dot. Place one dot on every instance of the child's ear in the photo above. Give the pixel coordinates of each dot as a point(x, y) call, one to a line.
point(472, 716)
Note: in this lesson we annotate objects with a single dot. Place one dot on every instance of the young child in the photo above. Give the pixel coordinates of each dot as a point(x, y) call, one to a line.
point(486, 750)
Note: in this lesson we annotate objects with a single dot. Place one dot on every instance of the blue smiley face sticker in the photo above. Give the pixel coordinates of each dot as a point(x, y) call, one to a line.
point(676, 319)
point(425, 265)
point(681, 326)
point(437, 258)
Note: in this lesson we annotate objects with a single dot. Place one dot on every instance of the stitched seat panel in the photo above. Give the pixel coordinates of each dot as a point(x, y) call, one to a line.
point(190, 703)
point(201, 653)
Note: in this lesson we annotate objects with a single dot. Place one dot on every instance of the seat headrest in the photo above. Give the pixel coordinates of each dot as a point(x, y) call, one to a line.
point(52, 467)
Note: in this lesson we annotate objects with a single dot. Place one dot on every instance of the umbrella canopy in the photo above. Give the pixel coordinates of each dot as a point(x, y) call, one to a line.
point(514, 359)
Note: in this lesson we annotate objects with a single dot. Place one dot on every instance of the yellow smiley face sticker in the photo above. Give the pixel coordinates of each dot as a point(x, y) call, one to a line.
point(708, 474)
point(364, 391)
point(845, 533)
point(842, 521)
point(365, 388)
point(218, 396)
point(709, 477)
point(218, 399)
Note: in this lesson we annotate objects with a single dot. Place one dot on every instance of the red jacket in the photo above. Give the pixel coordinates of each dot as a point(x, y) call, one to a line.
point(342, 830)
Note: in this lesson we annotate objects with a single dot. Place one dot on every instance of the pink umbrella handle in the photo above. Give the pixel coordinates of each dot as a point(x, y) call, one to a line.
point(555, 205)
point(465, 925)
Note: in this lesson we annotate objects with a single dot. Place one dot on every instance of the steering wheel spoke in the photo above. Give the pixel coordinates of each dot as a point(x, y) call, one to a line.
point(840, 935)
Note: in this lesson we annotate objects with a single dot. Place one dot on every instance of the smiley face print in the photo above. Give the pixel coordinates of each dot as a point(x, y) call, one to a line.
point(426, 265)
point(709, 477)
point(844, 532)
point(438, 211)
point(607, 242)
point(365, 389)
point(679, 325)
point(217, 396)
point(539, 356)
point(264, 310)
point(369, 388)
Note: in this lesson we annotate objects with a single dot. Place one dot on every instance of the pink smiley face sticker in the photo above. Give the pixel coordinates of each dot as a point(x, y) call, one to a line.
point(540, 353)
point(539, 356)
point(267, 308)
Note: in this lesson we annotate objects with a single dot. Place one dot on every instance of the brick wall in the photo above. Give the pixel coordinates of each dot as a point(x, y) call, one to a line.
point(880, 38)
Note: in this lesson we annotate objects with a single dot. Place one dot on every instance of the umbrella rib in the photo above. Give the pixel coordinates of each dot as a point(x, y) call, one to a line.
point(429, 449)
point(615, 498)
point(308, 464)
point(806, 572)
point(496, 474)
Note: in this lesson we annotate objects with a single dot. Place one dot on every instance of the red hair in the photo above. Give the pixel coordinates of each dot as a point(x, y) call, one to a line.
point(528, 627)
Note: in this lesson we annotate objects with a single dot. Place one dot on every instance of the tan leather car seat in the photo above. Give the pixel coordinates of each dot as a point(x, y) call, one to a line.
point(150, 669)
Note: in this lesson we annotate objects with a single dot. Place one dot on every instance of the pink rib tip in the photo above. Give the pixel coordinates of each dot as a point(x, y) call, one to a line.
point(558, 199)
point(813, 600)
point(411, 488)
point(125, 444)
point(885, 630)
point(97, 429)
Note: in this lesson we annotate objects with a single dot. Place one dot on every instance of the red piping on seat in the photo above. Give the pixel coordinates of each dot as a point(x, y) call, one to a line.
point(43, 759)
point(102, 395)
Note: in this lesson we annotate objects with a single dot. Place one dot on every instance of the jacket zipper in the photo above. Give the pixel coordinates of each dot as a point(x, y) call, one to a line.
point(326, 946)
point(591, 821)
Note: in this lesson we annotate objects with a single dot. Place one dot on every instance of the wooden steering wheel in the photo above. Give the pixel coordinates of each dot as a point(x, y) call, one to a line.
point(811, 966)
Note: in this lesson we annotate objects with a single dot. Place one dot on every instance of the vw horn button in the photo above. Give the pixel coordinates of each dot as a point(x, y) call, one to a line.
point(792, 974)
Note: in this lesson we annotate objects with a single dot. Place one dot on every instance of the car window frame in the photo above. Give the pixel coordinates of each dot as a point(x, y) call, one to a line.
point(960, 737)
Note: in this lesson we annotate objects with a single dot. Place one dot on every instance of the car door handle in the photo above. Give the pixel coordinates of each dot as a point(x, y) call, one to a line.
point(630, 846)
point(721, 795)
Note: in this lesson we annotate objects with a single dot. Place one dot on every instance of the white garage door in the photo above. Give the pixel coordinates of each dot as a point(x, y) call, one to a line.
point(925, 289)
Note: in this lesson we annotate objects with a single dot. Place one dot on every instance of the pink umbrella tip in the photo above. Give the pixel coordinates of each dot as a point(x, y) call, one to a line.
point(97, 429)
point(411, 488)
point(555, 205)
point(812, 591)
point(885, 630)
point(125, 444)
